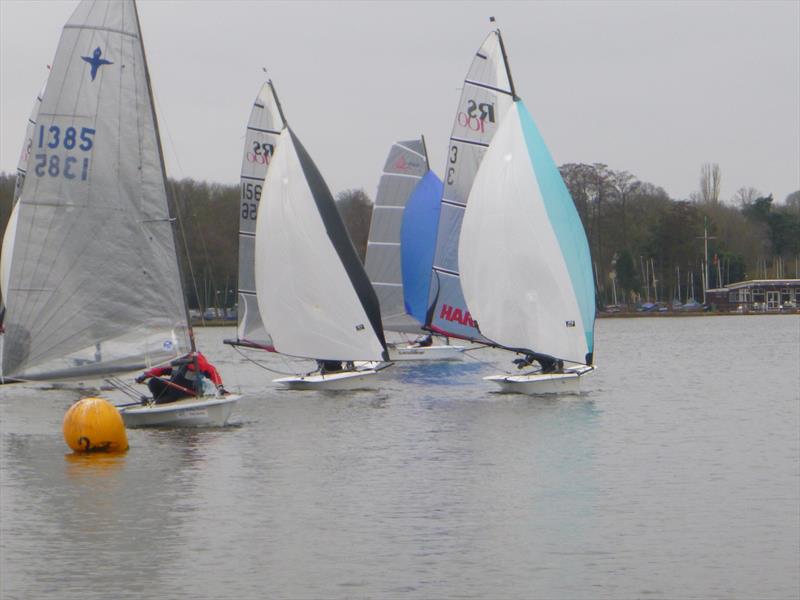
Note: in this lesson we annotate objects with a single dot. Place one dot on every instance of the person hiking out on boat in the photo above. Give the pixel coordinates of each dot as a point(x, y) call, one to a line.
point(423, 341)
point(548, 363)
point(184, 381)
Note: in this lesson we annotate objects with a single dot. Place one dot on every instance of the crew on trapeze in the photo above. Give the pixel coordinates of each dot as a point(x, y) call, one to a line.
point(423, 340)
point(333, 366)
point(184, 381)
point(548, 363)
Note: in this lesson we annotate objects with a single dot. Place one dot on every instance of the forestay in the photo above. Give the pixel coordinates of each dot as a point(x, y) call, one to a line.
point(525, 263)
point(263, 129)
point(485, 99)
point(405, 166)
point(94, 285)
point(314, 296)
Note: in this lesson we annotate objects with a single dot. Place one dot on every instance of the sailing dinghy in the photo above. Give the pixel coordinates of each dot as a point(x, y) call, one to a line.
point(313, 294)
point(400, 247)
point(525, 266)
point(93, 285)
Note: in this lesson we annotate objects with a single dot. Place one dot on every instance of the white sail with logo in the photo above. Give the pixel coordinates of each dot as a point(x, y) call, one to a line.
point(405, 166)
point(486, 98)
point(315, 298)
point(94, 285)
point(263, 129)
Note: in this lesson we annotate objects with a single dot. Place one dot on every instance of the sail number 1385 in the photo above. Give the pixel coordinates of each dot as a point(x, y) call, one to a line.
point(69, 138)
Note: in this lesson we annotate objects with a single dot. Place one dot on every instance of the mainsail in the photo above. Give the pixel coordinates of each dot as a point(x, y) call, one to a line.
point(526, 271)
point(405, 166)
point(263, 129)
point(315, 298)
point(487, 95)
point(94, 284)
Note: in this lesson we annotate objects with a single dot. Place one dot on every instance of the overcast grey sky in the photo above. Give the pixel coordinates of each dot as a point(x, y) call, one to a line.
point(655, 88)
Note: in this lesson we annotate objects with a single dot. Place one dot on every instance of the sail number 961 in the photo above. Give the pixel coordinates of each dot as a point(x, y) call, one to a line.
point(251, 194)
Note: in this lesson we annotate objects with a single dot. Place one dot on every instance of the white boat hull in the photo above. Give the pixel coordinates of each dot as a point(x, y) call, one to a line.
point(568, 382)
point(408, 352)
point(210, 411)
point(360, 378)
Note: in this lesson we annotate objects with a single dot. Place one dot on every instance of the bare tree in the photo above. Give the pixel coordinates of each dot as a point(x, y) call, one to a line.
point(710, 178)
point(745, 196)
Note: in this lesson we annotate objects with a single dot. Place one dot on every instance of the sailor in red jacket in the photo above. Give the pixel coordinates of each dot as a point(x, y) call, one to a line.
point(184, 381)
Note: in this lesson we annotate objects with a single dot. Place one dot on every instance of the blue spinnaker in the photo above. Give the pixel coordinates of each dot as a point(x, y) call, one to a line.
point(418, 243)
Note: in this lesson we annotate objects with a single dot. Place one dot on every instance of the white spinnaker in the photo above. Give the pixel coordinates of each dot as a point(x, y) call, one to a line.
point(486, 97)
point(263, 129)
point(94, 284)
point(513, 273)
point(304, 292)
point(405, 165)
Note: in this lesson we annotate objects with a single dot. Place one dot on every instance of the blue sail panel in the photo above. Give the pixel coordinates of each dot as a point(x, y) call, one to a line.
point(565, 221)
point(418, 243)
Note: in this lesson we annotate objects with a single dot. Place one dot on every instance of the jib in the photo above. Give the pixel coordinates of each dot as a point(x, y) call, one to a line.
point(449, 313)
point(483, 111)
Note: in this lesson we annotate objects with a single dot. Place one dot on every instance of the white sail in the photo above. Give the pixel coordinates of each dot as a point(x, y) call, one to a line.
point(263, 129)
point(94, 284)
point(405, 166)
point(27, 146)
point(525, 266)
point(485, 99)
point(11, 225)
point(314, 296)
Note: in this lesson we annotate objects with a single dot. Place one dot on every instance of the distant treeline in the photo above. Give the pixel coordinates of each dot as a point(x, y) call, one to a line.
point(645, 245)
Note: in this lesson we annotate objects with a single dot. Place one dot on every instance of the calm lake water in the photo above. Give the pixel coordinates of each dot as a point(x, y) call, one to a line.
point(676, 474)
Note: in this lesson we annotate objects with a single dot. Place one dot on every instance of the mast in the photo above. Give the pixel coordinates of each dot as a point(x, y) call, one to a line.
point(425, 152)
point(170, 199)
point(278, 103)
point(505, 62)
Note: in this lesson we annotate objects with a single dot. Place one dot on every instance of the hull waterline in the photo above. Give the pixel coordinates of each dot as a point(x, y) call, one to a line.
point(203, 412)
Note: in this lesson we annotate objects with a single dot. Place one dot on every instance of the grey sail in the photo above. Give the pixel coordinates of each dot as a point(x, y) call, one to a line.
point(94, 285)
point(486, 97)
point(405, 166)
point(263, 129)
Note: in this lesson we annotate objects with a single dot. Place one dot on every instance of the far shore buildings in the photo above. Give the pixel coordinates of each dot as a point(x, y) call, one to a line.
point(756, 295)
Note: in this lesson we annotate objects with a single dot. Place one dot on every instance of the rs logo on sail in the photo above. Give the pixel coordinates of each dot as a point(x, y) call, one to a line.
point(449, 313)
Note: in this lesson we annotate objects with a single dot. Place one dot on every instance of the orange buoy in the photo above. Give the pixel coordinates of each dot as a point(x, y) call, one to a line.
point(94, 425)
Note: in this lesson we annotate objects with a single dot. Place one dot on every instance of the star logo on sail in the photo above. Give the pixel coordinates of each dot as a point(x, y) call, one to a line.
point(96, 62)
